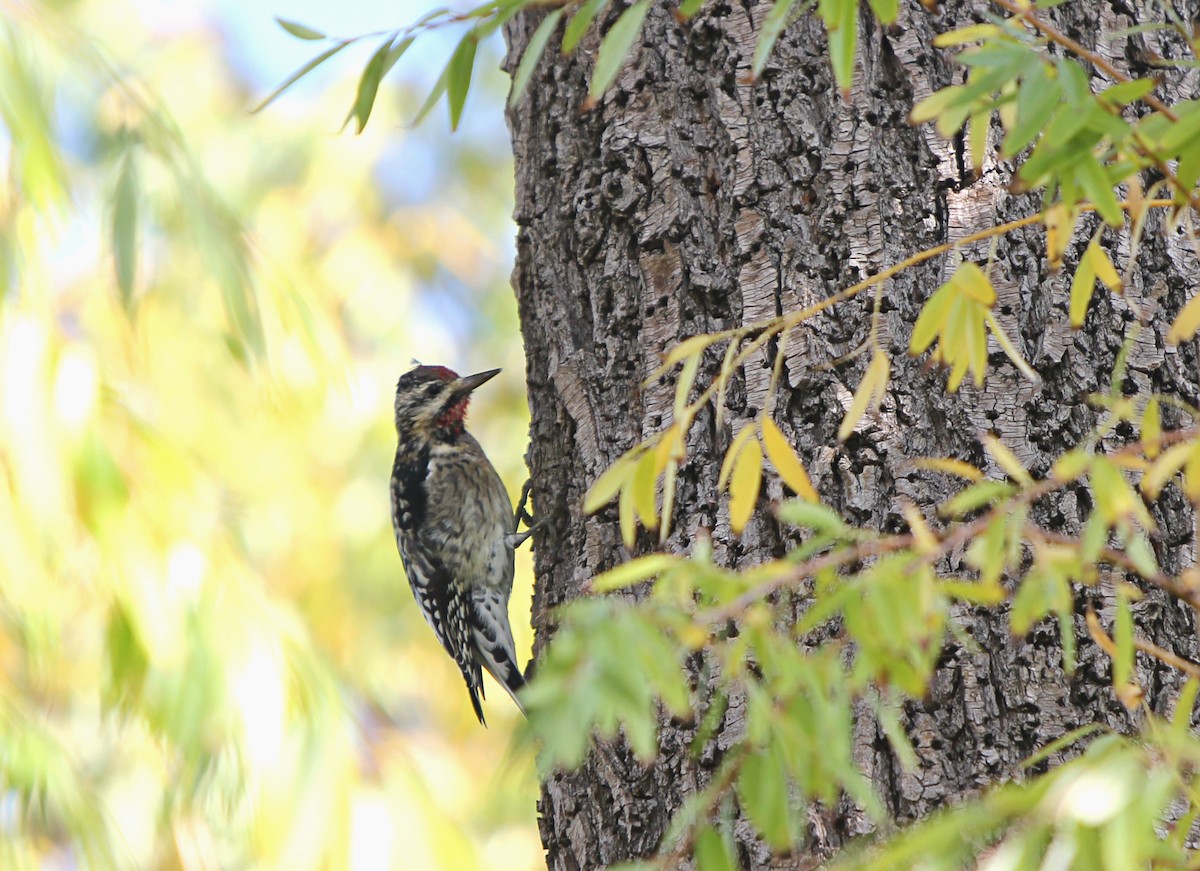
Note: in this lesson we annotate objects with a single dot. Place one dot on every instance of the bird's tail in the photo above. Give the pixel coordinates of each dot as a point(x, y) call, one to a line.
point(503, 668)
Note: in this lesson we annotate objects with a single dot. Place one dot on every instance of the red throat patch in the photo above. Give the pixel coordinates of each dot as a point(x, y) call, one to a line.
point(454, 416)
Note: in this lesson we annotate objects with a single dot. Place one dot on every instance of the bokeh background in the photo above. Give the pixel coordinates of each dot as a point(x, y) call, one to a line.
point(209, 657)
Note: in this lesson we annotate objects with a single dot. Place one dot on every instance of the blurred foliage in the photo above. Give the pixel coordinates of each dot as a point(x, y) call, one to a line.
point(209, 657)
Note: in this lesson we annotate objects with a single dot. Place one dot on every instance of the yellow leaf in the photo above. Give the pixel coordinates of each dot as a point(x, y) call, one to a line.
point(868, 394)
point(1165, 468)
point(970, 591)
point(745, 433)
point(626, 515)
point(609, 482)
point(688, 347)
point(1006, 460)
point(1060, 226)
point(972, 282)
point(1008, 105)
point(1010, 349)
point(633, 572)
point(783, 457)
point(977, 137)
point(744, 484)
point(949, 466)
point(668, 500)
point(1114, 501)
point(1186, 322)
point(723, 379)
point(957, 371)
point(972, 33)
point(932, 319)
point(1105, 271)
point(1135, 198)
point(669, 447)
point(977, 338)
point(1070, 465)
point(687, 377)
point(925, 541)
point(1083, 284)
point(934, 105)
point(642, 485)
point(954, 342)
point(1152, 427)
point(1191, 476)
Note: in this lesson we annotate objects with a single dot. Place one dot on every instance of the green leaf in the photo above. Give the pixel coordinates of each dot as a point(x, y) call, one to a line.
point(762, 791)
point(533, 52)
point(1039, 594)
point(841, 23)
point(1095, 184)
point(1037, 99)
point(1062, 742)
point(300, 73)
point(887, 712)
point(975, 497)
point(124, 229)
point(886, 10)
point(614, 49)
point(1181, 720)
point(714, 717)
point(298, 30)
point(812, 515)
point(772, 26)
point(1124, 93)
point(1179, 134)
point(633, 572)
point(712, 853)
point(368, 84)
point(689, 8)
point(1123, 637)
point(458, 78)
point(580, 22)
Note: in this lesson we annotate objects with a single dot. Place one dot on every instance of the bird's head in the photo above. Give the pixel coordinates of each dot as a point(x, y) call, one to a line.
point(432, 400)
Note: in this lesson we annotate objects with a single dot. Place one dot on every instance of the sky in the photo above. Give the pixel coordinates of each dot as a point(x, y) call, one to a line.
point(264, 55)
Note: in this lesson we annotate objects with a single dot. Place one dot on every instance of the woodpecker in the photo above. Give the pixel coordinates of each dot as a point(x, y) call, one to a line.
point(454, 527)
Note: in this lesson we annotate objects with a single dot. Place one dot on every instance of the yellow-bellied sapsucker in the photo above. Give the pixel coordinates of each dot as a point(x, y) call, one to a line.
point(455, 527)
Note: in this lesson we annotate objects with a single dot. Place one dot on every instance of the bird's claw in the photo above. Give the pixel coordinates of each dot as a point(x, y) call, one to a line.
point(522, 515)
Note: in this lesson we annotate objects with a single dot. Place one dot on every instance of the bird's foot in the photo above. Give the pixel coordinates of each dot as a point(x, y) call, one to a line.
point(522, 515)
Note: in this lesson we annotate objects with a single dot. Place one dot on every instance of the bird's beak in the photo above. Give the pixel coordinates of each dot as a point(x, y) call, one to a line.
point(465, 385)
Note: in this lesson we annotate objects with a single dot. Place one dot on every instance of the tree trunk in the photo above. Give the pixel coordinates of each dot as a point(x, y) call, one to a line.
point(691, 200)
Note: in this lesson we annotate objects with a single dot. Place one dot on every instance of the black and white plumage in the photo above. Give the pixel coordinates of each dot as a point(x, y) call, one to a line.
point(454, 527)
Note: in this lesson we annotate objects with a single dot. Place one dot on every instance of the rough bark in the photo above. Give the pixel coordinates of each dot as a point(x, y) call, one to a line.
point(691, 200)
